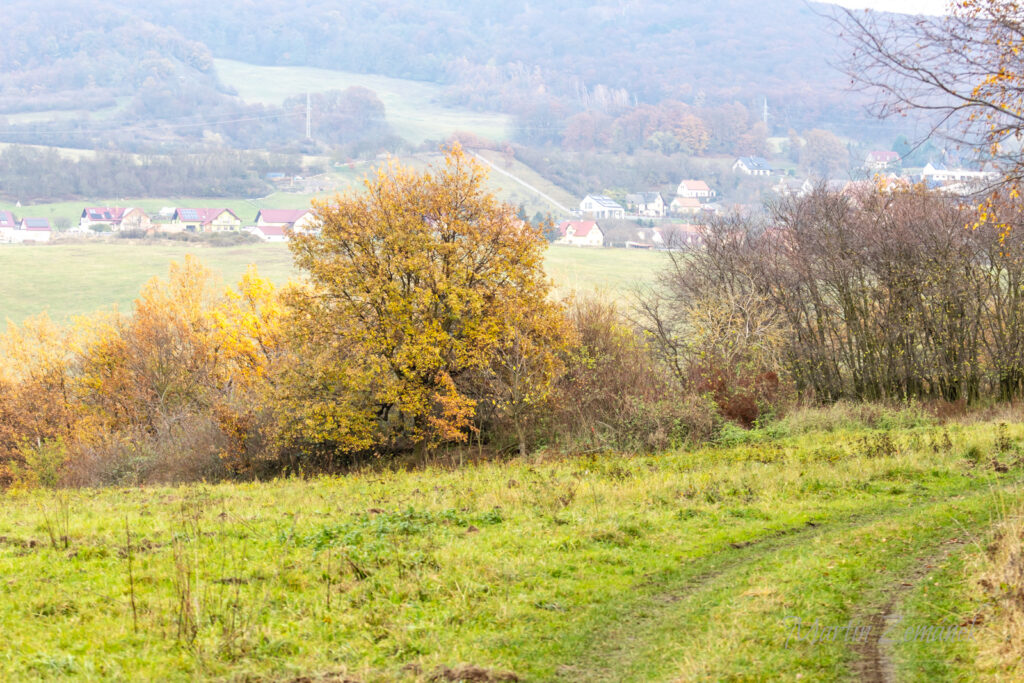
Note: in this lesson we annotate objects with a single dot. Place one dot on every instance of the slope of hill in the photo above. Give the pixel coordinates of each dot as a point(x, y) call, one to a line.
point(540, 62)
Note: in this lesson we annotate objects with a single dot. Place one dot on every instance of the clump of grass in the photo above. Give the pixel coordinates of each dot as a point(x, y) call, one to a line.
point(999, 576)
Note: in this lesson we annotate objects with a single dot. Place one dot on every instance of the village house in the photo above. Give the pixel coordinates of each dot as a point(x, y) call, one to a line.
point(26, 230)
point(685, 206)
point(599, 206)
point(684, 236)
point(793, 187)
point(204, 220)
point(881, 160)
point(7, 226)
point(752, 166)
point(940, 174)
point(580, 234)
point(295, 220)
point(113, 219)
point(270, 233)
point(647, 204)
point(694, 189)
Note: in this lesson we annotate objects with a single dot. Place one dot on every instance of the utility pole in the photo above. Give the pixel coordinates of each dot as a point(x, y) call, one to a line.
point(309, 119)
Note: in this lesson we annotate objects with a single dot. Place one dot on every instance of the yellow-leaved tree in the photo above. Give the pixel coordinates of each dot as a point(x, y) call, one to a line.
point(426, 300)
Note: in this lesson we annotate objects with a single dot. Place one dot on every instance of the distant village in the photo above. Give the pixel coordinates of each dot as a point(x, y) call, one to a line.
point(694, 201)
point(269, 225)
point(591, 225)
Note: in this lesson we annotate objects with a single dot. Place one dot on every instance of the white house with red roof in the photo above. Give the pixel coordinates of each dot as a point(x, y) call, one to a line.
point(296, 220)
point(113, 219)
point(205, 220)
point(879, 160)
point(270, 233)
point(580, 234)
point(694, 189)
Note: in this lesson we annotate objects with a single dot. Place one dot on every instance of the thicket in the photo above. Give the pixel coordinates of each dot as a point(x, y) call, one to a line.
point(425, 323)
point(881, 295)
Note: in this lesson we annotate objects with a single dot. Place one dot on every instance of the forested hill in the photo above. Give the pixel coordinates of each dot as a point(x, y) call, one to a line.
point(125, 61)
point(502, 54)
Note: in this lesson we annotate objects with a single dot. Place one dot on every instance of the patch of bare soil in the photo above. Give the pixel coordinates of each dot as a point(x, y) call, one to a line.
point(467, 673)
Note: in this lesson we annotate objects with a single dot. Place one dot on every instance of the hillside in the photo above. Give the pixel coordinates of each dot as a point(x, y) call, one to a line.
point(688, 565)
point(145, 76)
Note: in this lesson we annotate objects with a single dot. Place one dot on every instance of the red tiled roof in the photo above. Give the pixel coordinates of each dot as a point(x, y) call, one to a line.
point(7, 219)
point(281, 216)
point(580, 228)
point(103, 213)
point(686, 202)
point(882, 156)
point(696, 186)
point(271, 230)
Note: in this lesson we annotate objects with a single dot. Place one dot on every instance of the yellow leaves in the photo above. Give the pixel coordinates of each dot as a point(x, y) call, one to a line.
point(421, 280)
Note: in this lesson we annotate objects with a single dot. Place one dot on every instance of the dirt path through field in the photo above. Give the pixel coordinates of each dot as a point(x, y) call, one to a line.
point(874, 663)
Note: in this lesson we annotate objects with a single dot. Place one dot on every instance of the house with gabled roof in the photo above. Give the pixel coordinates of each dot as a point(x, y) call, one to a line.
point(296, 220)
point(205, 220)
point(695, 189)
point(114, 219)
point(28, 230)
point(752, 166)
point(7, 226)
point(647, 204)
point(880, 160)
point(685, 206)
point(270, 233)
point(580, 234)
point(600, 206)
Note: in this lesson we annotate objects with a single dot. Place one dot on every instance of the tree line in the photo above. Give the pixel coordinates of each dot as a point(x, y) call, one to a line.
point(424, 321)
point(884, 294)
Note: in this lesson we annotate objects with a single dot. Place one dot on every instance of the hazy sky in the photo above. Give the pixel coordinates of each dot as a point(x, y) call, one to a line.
point(903, 6)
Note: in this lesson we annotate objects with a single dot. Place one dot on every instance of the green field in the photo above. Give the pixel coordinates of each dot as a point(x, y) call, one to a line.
point(74, 279)
point(413, 107)
point(688, 565)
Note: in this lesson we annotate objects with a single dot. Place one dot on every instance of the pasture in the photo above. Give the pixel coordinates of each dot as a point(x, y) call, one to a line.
point(74, 279)
point(413, 108)
point(687, 565)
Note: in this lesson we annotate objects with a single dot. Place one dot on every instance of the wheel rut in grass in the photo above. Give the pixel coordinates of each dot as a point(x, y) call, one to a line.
point(874, 663)
point(701, 575)
point(617, 646)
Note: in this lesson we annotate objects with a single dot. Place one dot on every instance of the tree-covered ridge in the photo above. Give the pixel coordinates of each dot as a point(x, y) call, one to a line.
point(536, 60)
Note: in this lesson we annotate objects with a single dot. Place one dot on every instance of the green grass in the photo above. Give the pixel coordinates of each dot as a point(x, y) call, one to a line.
point(413, 107)
point(682, 565)
point(75, 279)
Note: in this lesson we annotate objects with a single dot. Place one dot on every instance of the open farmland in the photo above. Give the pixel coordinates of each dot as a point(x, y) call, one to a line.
point(74, 279)
point(690, 565)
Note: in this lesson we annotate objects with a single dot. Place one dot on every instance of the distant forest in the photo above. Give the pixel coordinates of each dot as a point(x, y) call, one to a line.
point(544, 63)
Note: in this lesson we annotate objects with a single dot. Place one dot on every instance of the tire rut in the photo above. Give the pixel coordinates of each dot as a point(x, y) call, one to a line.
point(699, 580)
point(874, 663)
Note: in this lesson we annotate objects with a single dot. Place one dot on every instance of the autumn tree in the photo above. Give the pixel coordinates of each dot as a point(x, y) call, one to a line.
point(424, 293)
point(823, 154)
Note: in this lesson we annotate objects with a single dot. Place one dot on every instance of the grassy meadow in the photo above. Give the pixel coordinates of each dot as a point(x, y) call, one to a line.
point(413, 107)
point(687, 565)
point(74, 279)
